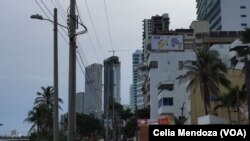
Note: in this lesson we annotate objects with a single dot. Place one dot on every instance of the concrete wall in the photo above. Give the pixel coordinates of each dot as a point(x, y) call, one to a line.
point(168, 70)
point(231, 14)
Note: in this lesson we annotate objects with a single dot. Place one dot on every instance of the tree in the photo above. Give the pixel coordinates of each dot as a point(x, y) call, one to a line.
point(87, 126)
point(143, 113)
point(126, 114)
point(244, 52)
point(238, 98)
point(41, 116)
point(206, 73)
point(129, 129)
point(226, 101)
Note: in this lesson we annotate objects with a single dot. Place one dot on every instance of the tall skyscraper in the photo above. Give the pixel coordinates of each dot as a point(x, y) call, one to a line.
point(136, 92)
point(156, 23)
point(112, 81)
point(93, 91)
point(80, 102)
point(224, 15)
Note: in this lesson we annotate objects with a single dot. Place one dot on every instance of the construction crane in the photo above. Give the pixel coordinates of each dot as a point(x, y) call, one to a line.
point(116, 51)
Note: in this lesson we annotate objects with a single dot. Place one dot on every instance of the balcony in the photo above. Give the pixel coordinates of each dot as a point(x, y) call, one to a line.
point(165, 110)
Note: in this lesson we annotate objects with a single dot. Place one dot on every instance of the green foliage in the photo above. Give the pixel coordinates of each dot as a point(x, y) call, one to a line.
point(41, 116)
point(126, 114)
point(143, 113)
point(244, 52)
point(87, 125)
point(207, 73)
point(130, 128)
point(232, 100)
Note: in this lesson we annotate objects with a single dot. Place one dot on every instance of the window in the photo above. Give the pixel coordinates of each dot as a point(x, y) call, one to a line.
point(243, 16)
point(160, 103)
point(243, 24)
point(169, 87)
point(168, 101)
point(153, 64)
point(242, 7)
point(181, 64)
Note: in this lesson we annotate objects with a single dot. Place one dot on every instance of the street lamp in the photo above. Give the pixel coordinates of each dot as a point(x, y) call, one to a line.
point(55, 108)
point(40, 17)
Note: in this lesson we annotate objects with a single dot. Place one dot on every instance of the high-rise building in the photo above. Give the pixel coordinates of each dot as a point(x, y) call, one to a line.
point(80, 102)
point(224, 15)
point(112, 81)
point(160, 23)
point(131, 98)
point(156, 23)
point(93, 91)
point(136, 92)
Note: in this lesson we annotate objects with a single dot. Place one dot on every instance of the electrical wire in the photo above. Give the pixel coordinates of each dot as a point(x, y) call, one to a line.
point(51, 20)
point(88, 79)
point(59, 11)
point(91, 43)
point(92, 23)
point(105, 7)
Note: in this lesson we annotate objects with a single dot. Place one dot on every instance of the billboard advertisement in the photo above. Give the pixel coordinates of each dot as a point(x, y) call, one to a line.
point(167, 42)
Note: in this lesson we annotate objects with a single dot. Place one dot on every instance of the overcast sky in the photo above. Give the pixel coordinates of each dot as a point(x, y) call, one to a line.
point(26, 47)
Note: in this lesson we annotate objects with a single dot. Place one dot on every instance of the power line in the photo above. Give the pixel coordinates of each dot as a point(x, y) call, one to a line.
point(88, 80)
point(45, 13)
point(80, 49)
point(51, 20)
point(91, 43)
point(59, 4)
point(42, 9)
point(47, 8)
point(59, 11)
point(105, 7)
point(94, 29)
point(59, 14)
point(61, 8)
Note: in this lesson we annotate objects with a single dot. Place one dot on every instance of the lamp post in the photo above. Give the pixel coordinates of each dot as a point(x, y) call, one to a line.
point(55, 107)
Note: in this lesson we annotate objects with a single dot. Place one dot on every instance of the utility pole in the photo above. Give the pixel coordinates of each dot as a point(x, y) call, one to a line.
point(72, 73)
point(55, 122)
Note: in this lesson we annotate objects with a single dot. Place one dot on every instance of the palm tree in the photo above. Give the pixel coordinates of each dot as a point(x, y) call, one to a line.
point(207, 73)
point(244, 51)
point(45, 97)
point(42, 113)
point(239, 98)
point(226, 101)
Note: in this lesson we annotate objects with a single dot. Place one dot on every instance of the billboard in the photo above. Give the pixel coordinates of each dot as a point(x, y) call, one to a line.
point(167, 42)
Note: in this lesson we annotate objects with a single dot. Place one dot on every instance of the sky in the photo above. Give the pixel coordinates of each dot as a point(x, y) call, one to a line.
point(26, 46)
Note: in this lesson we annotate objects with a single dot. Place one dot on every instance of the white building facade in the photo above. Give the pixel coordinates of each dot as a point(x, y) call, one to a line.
point(167, 94)
point(224, 15)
